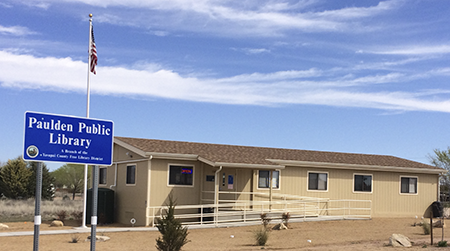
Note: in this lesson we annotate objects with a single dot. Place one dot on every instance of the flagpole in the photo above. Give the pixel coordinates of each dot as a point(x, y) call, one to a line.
point(83, 225)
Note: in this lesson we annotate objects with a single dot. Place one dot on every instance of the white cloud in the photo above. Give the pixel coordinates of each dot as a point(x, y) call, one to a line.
point(277, 88)
point(16, 30)
point(359, 12)
point(251, 51)
point(414, 50)
point(229, 18)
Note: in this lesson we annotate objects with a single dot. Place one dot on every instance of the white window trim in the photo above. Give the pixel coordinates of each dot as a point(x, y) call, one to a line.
point(363, 192)
point(106, 184)
point(186, 165)
point(268, 188)
point(400, 185)
point(318, 190)
point(135, 175)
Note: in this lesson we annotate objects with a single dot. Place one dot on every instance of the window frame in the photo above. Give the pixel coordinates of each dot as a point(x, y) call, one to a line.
point(268, 188)
point(371, 183)
point(317, 190)
point(409, 177)
point(135, 175)
point(100, 176)
point(180, 165)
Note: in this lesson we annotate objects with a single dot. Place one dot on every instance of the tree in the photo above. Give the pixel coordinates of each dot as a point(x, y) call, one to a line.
point(71, 176)
point(48, 191)
point(1, 186)
point(14, 178)
point(174, 235)
point(441, 159)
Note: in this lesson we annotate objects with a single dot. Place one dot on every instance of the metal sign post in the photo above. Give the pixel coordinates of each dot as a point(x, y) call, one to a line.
point(94, 207)
point(37, 206)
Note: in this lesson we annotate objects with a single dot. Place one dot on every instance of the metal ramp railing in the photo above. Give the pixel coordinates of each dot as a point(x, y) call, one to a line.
point(249, 212)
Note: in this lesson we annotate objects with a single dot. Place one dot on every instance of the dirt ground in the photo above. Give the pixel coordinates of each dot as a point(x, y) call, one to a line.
point(325, 235)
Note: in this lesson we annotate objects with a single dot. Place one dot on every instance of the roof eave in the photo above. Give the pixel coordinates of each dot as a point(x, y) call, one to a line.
point(250, 166)
point(357, 166)
point(177, 156)
point(129, 147)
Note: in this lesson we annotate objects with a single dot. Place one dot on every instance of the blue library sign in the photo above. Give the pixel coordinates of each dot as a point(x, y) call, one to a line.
point(61, 138)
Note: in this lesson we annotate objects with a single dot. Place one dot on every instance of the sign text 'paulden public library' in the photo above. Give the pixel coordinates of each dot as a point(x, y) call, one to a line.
point(60, 138)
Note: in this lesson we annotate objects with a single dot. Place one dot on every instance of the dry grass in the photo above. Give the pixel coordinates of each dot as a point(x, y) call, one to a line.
point(22, 210)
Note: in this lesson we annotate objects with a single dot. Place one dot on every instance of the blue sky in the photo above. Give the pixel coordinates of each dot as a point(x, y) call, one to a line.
point(347, 76)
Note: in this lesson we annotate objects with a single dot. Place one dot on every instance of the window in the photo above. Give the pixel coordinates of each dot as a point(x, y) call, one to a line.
point(264, 179)
point(362, 183)
point(181, 175)
point(318, 181)
point(131, 175)
point(408, 185)
point(102, 176)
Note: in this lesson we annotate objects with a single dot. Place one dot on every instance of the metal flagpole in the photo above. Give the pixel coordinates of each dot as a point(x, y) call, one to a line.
point(87, 116)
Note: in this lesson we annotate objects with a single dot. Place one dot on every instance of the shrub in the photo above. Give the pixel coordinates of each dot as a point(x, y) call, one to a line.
point(78, 216)
point(442, 244)
point(61, 215)
point(174, 235)
point(426, 228)
point(265, 220)
point(261, 236)
point(74, 238)
point(285, 217)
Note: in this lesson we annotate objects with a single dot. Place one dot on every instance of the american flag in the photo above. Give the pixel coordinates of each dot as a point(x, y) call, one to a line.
point(93, 52)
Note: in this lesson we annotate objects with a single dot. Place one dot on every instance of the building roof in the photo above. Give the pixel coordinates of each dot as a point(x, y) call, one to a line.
point(234, 154)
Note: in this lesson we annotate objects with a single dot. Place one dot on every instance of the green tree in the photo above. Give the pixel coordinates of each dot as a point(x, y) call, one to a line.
point(174, 235)
point(70, 176)
point(441, 159)
point(14, 178)
point(48, 191)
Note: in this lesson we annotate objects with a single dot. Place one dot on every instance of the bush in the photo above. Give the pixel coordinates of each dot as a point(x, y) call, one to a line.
point(61, 215)
point(285, 217)
point(265, 220)
point(261, 236)
point(74, 238)
point(174, 235)
point(426, 228)
point(442, 244)
point(78, 216)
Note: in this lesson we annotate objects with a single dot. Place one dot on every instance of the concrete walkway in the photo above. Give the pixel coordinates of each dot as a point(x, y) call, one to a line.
point(78, 230)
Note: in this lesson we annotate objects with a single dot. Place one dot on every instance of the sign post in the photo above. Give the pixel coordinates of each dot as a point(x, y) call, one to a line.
point(37, 206)
point(62, 138)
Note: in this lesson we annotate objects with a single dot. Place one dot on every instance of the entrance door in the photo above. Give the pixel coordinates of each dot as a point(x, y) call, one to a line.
point(228, 185)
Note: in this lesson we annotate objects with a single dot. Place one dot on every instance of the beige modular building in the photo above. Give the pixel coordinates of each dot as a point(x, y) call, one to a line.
point(146, 171)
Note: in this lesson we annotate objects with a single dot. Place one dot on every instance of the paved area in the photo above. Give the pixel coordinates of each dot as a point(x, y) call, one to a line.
point(78, 230)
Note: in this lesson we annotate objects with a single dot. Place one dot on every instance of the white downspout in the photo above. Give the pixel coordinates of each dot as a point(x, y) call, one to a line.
point(216, 194)
point(270, 190)
point(147, 204)
point(122, 162)
point(115, 177)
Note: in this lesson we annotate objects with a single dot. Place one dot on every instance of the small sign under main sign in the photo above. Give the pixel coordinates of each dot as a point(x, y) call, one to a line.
point(61, 138)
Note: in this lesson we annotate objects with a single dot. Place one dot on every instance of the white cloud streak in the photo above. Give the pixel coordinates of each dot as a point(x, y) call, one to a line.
point(16, 31)
point(272, 89)
point(252, 17)
point(415, 50)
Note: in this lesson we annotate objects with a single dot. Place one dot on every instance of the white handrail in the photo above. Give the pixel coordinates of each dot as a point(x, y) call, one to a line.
point(248, 212)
